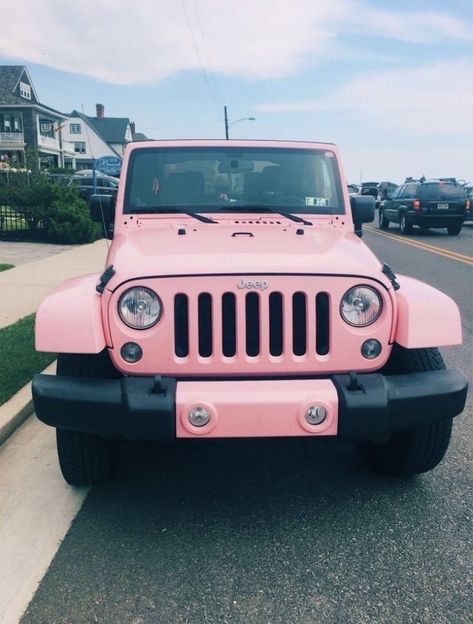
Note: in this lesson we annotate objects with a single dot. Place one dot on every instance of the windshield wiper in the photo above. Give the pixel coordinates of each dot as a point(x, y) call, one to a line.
point(165, 210)
point(258, 208)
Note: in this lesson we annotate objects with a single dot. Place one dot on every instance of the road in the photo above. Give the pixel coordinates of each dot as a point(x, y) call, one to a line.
point(280, 532)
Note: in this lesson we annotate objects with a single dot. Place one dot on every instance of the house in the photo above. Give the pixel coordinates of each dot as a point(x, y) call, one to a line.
point(137, 136)
point(30, 131)
point(94, 137)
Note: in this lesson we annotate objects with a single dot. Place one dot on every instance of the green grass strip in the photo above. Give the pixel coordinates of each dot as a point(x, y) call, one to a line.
point(18, 359)
point(5, 267)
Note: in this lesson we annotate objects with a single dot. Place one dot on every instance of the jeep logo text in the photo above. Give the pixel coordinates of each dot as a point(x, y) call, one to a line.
point(258, 285)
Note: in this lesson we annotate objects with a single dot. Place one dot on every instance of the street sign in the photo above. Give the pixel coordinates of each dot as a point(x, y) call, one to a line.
point(110, 165)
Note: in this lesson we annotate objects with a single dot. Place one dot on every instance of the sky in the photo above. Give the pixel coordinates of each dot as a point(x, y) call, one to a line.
point(390, 82)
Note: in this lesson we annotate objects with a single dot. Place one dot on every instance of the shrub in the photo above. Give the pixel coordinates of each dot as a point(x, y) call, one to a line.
point(69, 222)
point(55, 209)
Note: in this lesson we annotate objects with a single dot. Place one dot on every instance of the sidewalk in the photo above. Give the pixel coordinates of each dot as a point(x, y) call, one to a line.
point(23, 288)
point(16, 252)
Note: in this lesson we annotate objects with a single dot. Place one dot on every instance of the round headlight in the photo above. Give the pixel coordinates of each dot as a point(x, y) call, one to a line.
point(140, 307)
point(360, 306)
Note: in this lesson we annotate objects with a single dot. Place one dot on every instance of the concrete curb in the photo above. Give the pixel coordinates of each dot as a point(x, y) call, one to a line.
point(17, 409)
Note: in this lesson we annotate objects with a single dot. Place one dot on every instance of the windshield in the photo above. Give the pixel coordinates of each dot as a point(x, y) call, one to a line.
point(442, 191)
point(221, 179)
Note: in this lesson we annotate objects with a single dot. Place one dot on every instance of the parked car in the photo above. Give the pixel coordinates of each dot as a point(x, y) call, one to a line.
point(439, 203)
point(104, 185)
point(353, 189)
point(385, 189)
point(254, 311)
point(369, 188)
point(379, 190)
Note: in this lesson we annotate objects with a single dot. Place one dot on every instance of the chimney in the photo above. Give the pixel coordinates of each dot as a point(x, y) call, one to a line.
point(132, 128)
point(100, 111)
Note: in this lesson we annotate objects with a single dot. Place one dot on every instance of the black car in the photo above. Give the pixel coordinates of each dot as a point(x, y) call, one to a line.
point(104, 185)
point(427, 203)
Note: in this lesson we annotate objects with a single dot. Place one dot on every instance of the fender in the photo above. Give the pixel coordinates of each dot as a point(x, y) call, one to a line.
point(69, 320)
point(426, 316)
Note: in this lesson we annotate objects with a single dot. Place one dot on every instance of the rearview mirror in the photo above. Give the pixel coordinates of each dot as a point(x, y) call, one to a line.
point(362, 210)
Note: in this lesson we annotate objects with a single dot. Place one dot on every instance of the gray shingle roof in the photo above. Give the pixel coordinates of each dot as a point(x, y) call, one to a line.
point(9, 78)
point(110, 129)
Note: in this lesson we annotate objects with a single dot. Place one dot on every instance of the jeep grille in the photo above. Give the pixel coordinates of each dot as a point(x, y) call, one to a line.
point(219, 324)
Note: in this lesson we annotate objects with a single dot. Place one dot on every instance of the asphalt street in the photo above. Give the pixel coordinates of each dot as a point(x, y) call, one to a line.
point(280, 532)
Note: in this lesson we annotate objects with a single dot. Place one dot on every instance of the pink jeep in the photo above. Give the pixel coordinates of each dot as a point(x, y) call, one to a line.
point(240, 301)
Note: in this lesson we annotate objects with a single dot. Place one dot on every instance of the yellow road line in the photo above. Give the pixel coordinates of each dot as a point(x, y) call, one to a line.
point(424, 244)
point(451, 255)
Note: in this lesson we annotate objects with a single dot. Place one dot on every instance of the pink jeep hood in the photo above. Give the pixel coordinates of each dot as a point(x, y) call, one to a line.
point(157, 247)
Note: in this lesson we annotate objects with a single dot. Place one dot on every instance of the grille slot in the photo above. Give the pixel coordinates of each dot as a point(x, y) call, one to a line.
point(299, 323)
point(322, 326)
point(228, 324)
point(205, 325)
point(252, 314)
point(181, 325)
point(276, 329)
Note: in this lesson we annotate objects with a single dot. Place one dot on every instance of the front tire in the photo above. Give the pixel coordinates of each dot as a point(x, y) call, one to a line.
point(84, 458)
point(420, 449)
point(404, 226)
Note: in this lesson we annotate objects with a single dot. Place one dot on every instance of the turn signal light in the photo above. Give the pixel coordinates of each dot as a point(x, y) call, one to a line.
point(467, 205)
point(416, 204)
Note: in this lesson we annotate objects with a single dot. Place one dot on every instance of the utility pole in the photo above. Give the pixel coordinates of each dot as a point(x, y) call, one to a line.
point(226, 122)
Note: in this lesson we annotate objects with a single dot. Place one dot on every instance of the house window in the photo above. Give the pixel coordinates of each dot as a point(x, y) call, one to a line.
point(25, 90)
point(74, 128)
point(79, 147)
point(46, 127)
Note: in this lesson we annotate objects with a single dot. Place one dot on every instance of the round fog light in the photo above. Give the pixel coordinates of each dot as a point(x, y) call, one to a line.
point(199, 416)
point(316, 414)
point(370, 349)
point(131, 352)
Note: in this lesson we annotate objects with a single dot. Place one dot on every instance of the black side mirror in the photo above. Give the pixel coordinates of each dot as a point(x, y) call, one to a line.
point(362, 210)
point(102, 208)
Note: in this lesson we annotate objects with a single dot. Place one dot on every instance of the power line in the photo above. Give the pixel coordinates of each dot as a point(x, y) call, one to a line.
point(206, 52)
point(202, 67)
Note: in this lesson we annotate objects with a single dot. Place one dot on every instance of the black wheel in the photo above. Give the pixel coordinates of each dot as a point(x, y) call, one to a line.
point(416, 450)
point(454, 230)
point(382, 221)
point(404, 226)
point(84, 458)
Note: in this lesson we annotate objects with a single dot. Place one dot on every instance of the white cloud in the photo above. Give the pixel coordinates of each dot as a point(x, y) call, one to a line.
point(131, 43)
point(409, 26)
point(148, 40)
point(432, 99)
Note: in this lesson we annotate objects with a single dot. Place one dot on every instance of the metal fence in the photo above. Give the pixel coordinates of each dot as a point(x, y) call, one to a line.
point(19, 223)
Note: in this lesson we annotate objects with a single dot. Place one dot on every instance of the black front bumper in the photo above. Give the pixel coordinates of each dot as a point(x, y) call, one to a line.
point(139, 408)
